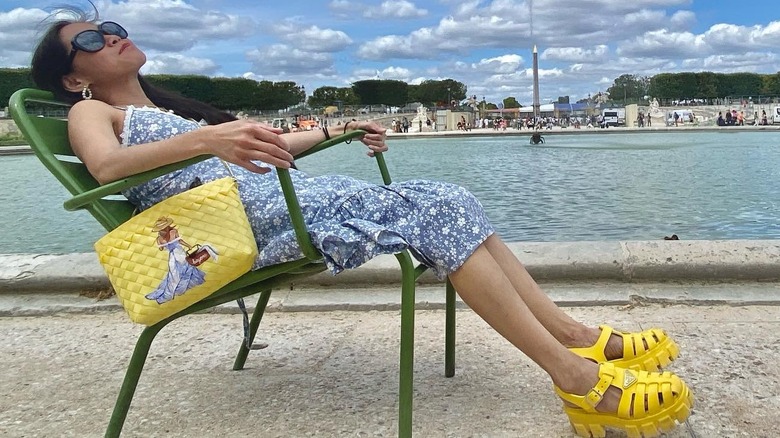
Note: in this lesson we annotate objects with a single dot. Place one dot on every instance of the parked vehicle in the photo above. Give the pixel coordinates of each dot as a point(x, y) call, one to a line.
point(280, 122)
point(613, 117)
point(776, 115)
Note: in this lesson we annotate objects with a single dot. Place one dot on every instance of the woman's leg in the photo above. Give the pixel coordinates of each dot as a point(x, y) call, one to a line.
point(565, 329)
point(482, 284)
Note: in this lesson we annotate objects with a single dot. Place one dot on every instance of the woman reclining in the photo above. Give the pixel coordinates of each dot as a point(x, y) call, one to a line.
point(119, 125)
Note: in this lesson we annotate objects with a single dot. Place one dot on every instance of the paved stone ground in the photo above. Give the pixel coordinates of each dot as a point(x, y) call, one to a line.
point(335, 374)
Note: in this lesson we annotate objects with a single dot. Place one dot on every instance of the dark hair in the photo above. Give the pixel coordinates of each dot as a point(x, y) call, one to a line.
point(50, 64)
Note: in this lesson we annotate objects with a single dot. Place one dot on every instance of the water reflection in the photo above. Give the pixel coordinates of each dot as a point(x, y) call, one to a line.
point(573, 187)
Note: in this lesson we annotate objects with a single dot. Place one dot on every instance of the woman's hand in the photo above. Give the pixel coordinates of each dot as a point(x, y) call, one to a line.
point(375, 137)
point(242, 141)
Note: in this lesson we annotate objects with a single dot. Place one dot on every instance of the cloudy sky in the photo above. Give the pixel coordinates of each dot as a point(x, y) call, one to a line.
point(583, 44)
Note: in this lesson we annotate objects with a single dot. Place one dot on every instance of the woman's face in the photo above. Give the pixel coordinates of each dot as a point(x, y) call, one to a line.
point(119, 57)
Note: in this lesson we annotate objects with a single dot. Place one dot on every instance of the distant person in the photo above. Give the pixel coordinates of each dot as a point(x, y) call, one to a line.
point(536, 138)
point(764, 120)
point(721, 121)
point(676, 118)
point(728, 118)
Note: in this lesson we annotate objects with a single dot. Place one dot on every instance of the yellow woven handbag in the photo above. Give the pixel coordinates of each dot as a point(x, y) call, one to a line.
point(178, 251)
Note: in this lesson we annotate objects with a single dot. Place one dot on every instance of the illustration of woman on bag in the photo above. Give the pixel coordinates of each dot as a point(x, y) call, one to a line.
point(183, 273)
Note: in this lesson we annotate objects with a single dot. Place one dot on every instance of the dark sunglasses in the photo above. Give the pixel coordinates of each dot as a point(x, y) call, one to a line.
point(93, 40)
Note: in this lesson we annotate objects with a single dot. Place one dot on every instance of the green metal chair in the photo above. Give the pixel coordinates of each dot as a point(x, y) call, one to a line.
point(48, 137)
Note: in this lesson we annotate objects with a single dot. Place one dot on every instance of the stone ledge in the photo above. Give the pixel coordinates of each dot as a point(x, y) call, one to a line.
point(632, 261)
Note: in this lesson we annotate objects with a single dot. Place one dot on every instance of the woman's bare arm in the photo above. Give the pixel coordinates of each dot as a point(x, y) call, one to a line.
point(92, 137)
point(304, 140)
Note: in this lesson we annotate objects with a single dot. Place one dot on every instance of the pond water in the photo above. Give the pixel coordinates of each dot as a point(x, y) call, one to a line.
point(632, 186)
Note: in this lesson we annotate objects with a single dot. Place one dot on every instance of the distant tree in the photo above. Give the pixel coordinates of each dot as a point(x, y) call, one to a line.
point(628, 88)
point(12, 79)
point(376, 91)
point(436, 93)
point(324, 96)
point(706, 85)
point(327, 96)
point(287, 93)
point(194, 86)
point(744, 84)
point(666, 86)
point(278, 95)
point(770, 84)
point(511, 102)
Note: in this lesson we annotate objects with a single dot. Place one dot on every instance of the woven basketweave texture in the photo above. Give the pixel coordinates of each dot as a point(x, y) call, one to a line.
point(208, 214)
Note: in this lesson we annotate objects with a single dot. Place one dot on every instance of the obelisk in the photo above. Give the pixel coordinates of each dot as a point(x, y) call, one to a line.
point(536, 84)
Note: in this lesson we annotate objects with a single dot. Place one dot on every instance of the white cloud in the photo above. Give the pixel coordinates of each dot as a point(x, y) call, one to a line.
point(280, 60)
point(179, 64)
point(598, 54)
point(19, 31)
point(505, 64)
point(732, 63)
point(392, 73)
point(314, 38)
point(174, 25)
point(682, 20)
point(394, 9)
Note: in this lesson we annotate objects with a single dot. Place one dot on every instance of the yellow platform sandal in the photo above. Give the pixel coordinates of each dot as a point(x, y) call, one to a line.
point(649, 350)
point(651, 403)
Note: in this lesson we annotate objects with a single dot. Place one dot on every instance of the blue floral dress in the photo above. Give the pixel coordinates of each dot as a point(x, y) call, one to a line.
point(350, 221)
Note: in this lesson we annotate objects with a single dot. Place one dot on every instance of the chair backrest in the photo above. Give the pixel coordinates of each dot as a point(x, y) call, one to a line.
point(40, 119)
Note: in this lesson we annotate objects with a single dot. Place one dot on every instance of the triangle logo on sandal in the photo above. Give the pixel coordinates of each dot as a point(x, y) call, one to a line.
point(628, 379)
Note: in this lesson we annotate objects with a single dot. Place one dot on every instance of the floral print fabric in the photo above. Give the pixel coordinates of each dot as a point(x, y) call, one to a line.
point(350, 221)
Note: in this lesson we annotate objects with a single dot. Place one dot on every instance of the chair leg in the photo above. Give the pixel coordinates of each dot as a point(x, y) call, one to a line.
point(449, 332)
point(406, 378)
point(132, 375)
point(257, 316)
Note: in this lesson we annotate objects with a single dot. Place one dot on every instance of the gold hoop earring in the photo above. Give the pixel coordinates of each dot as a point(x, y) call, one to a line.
point(86, 93)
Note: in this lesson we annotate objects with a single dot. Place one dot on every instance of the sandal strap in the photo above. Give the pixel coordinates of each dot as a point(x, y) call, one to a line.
point(634, 343)
point(596, 351)
point(593, 397)
point(606, 377)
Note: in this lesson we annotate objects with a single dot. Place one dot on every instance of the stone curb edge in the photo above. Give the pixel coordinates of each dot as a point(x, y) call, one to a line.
point(622, 261)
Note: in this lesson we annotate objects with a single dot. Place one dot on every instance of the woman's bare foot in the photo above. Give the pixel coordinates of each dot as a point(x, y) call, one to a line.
point(589, 337)
point(582, 381)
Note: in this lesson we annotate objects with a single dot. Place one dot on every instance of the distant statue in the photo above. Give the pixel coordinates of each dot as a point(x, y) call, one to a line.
point(422, 113)
point(417, 121)
point(473, 102)
point(654, 107)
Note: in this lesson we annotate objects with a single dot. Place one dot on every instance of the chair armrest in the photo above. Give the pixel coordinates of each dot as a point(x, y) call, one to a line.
point(333, 141)
point(294, 208)
point(83, 199)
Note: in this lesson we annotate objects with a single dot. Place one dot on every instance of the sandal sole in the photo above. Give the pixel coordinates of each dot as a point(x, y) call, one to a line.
point(593, 425)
